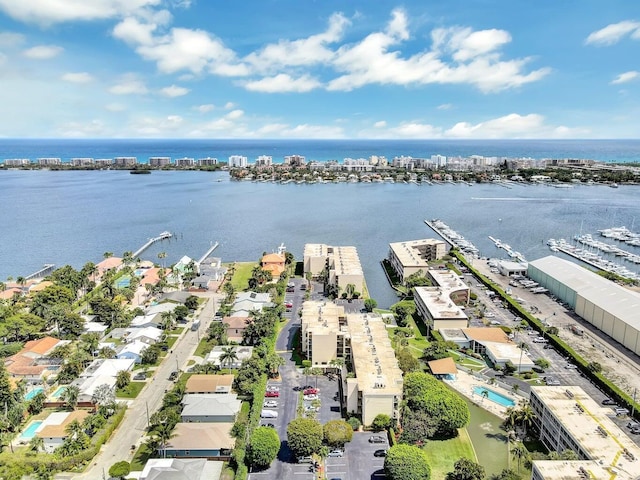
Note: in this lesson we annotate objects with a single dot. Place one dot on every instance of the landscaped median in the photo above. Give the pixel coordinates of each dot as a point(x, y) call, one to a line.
point(597, 378)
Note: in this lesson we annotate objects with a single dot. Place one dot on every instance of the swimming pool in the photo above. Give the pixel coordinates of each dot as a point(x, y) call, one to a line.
point(32, 393)
point(123, 282)
point(58, 392)
point(494, 396)
point(30, 431)
point(140, 272)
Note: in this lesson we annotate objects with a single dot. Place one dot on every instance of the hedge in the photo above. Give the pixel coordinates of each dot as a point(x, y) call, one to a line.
point(597, 378)
point(392, 437)
point(240, 450)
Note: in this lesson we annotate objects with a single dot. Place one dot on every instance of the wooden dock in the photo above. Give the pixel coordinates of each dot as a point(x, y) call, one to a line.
point(151, 241)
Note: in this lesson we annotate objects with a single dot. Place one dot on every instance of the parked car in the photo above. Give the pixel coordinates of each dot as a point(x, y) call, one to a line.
point(541, 340)
point(310, 398)
point(272, 394)
point(633, 425)
point(174, 375)
point(380, 453)
point(621, 411)
point(140, 376)
point(305, 460)
point(290, 289)
point(268, 414)
point(608, 401)
point(288, 305)
point(270, 404)
point(570, 366)
point(336, 453)
point(311, 391)
point(376, 439)
point(273, 388)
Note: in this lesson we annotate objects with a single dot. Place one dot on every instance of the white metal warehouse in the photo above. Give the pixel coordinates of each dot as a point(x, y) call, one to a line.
point(609, 307)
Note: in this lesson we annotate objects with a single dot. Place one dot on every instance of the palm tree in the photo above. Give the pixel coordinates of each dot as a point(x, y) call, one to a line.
point(107, 255)
point(21, 281)
point(274, 361)
point(350, 289)
point(36, 444)
point(228, 356)
point(519, 451)
point(167, 320)
point(70, 396)
point(162, 256)
point(484, 394)
point(164, 433)
point(127, 257)
point(522, 346)
point(123, 378)
point(515, 387)
point(526, 415)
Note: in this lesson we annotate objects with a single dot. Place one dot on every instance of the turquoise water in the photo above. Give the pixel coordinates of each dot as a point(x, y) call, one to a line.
point(494, 396)
point(139, 272)
point(32, 393)
point(30, 431)
point(58, 392)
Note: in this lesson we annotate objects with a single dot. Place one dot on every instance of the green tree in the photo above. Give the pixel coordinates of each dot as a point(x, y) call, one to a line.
point(465, 469)
point(438, 349)
point(120, 469)
point(507, 474)
point(337, 432)
point(407, 462)
point(519, 452)
point(123, 378)
point(150, 354)
point(264, 446)
point(370, 304)
point(181, 312)
point(354, 422)
point(228, 356)
point(305, 436)
point(407, 362)
point(594, 367)
point(349, 290)
point(543, 363)
point(417, 427)
point(70, 396)
point(6, 396)
point(50, 296)
point(36, 444)
point(381, 422)
point(217, 331)
point(191, 302)
point(36, 404)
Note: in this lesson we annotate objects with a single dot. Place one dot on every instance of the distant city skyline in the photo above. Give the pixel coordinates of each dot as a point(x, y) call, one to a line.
point(330, 69)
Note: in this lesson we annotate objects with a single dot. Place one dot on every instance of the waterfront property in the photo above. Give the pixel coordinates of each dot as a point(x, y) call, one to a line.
point(568, 418)
point(341, 265)
point(437, 309)
point(329, 335)
point(611, 308)
point(32, 362)
point(412, 256)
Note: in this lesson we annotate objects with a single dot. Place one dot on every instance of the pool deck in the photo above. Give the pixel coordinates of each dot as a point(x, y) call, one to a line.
point(464, 384)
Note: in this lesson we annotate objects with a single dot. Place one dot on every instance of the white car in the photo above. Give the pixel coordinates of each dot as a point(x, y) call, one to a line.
point(268, 414)
point(336, 453)
point(310, 398)
point(270, 404)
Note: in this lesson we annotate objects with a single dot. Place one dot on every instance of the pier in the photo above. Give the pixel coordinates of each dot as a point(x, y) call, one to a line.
point(452, 237)
point(151, 241)
point(209, 252)
point(43, 272)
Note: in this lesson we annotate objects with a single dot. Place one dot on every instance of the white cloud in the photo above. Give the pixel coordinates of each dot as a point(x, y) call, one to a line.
point(229, 105)
point(174, 91)
point(47, 12)
point(614, 32)
point(625, 77)
point(307, 51)
point(234, 114)
point(205, 108)
point(129, 85)
point(155, 126)
point(380, 124)
point(512, 126)
point(77, 77)
point(283, 83)
point(445, 106)
point(302, 131)
point(93, 128)
point(133, 31)
point(11, 39)
point(416, 130)
point(43, 52)
point(476, 60)
point(115, 107)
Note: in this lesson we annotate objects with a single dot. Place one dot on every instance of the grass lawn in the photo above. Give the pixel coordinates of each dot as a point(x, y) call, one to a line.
point(140, 458)
point(444, 453)
point(176, 331)
point(240, 280)
point(130, 391)
point(171, 340)
point(204, 347)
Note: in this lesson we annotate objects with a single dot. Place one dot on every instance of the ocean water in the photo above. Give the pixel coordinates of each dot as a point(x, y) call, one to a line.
point(602, 150)
point(72, 217)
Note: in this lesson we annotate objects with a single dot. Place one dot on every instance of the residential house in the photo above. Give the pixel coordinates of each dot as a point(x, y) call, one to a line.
point(242, 353)
point(53, 429)
point(210, 408)
point(273, 263)
point(235, 327)
point(40, 286)
point(8, 293)
point(31, 363)
point(110, 263)
point(200, 383)
point(179, 469)
point(148, 335)
point(201, 440)
point(212, 267)
point(132, 351)
point(247, 302)
point(102, 371)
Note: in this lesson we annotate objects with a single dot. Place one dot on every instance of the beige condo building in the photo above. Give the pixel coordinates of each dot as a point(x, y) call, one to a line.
point(361, 340)
point(411, 256)
point(342, 265)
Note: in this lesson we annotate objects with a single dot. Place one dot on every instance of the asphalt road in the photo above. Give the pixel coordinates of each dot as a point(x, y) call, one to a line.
point(133, 427)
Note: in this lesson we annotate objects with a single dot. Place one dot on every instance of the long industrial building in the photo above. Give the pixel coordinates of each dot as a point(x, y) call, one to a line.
point(611, 308)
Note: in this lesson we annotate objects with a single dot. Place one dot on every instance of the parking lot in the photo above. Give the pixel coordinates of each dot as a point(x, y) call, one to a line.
point(359, 461)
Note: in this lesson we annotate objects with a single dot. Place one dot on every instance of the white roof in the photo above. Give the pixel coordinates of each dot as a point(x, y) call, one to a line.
point(88, 385)
point(161, 307)
point(140, 320)
point(503, 352)
point(619, 301)
point(134, 347)
point(94, 327)
point(149, 332)
point(181, 469)
point(211, 404)
point(107, 367)
point(242, 352)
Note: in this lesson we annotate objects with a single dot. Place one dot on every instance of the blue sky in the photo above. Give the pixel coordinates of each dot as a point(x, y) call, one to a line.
point(320, 69)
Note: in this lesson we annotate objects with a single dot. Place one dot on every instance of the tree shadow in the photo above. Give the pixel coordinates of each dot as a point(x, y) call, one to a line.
point(378, 475)
point(497, 436)
point(285, 454)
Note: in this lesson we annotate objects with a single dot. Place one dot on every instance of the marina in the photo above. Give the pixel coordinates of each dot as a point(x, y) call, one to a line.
point(507, 248)
point(452, 237)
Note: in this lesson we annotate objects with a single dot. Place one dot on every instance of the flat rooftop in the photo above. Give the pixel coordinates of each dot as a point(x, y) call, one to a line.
point(374, 360)
point(570, 470)
point(322, 318)
point(448, 280)
point(440, 306)
point(315, 250)
point(411, 253)
point(587, 422)
point(345, 260)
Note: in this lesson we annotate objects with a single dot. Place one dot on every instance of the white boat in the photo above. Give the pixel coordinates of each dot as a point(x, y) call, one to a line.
point(613, 185)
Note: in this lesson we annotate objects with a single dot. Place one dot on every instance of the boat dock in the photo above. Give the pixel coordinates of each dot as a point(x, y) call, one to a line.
point(512, 253)
point(151, 241)
point(452, 237)
point(209, 252)
point(591, 259)
point(43, 272)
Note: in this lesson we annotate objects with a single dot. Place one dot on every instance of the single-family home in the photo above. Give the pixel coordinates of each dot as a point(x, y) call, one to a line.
point(148, 335)
point(235, 327)
point(242, 353)
point(102, 371)
point(52, 430)
point(132, 351)
point(250, 301)
point(274, 263)
point(147, 320)
point(8, 293)
point(181, 469)
point(110, 263)
point(201, 383)
point(212, 267)
point(210, 408)
point(31, 363)
point(201, 440)
point(40, 286)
